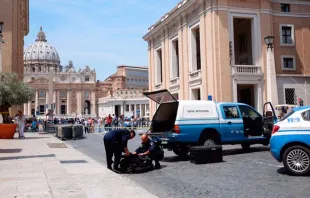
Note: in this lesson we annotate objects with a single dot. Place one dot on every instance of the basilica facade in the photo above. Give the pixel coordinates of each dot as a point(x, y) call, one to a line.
point(73, 91)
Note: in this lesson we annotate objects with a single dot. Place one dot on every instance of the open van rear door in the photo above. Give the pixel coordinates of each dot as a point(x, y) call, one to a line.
point(270, 118)
point(160, 96)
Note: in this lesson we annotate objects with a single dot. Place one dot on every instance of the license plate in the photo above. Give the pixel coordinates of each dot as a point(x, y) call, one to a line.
point(164, 142)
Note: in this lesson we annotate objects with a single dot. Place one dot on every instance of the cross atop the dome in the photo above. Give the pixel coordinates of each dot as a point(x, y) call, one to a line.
point(41, 35)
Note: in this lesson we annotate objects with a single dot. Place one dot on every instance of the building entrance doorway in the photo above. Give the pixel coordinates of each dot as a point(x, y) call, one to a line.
point(87, 107)
point(245, 94)
point(63, 109)
point(117, 110)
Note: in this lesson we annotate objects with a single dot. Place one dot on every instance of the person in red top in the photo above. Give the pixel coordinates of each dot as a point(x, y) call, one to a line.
point(109, 122)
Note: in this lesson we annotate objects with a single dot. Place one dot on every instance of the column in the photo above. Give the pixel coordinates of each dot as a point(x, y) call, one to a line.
point(122, 109)
point(46, 106)
point(93, 103)
point(135, 110)
point(260, 91)
point(272, 88)
point(54, 101)
point(145, 109)
point(36, 108)
point(68, 102)
point(235, 91)
point(79, 102)
point(140, 110)
point(29, 108)
point(57, 102)
point(25, 109)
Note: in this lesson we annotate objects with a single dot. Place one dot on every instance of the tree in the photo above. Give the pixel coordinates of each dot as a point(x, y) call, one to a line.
point(13, 91)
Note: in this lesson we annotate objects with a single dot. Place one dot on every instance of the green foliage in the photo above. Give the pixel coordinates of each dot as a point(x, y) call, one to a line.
point(13, 91)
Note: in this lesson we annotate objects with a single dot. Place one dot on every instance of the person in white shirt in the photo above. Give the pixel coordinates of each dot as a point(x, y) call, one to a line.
point(20, 120)
point(99, 124)
point(86, 126)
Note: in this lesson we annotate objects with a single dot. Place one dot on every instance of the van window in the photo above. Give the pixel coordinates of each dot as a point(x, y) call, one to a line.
point(231, 112)
point(248, 112)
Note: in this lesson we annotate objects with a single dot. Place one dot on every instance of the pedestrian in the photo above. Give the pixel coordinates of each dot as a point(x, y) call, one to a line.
point(99, 124)
point(20, 120)
point(34, 125)
point(85, 123)
point(115, 142)
point(116, 122)
point(110, 119)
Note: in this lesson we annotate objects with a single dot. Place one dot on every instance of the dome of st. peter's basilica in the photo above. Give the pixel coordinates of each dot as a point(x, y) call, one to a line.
point(41, 54)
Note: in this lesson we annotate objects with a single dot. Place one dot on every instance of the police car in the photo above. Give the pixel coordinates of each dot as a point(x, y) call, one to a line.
point(181, 124)
point(290, 141)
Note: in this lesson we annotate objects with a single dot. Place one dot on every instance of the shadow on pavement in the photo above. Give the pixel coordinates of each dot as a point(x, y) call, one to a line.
point(10, 150)
point(284, 171)
point(26, 157)
point(34, 138)
point(226, 152)
point(239, 151)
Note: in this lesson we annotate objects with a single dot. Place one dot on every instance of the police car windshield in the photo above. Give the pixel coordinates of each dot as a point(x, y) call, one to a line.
point(287, 115)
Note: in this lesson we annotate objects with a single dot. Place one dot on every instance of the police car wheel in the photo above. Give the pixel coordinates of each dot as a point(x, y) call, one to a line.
point(245, 146)
point(181, 150)
point(296, 160)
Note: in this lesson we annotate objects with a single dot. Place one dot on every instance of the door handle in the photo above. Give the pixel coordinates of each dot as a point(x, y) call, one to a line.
point(229, 122)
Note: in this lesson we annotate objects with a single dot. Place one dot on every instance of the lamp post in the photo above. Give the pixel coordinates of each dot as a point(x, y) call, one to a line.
point(1, 41)
point(272, 90)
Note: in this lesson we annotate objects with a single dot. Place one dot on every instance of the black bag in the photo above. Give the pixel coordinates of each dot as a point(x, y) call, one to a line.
point(136, 164)
point(206, 154)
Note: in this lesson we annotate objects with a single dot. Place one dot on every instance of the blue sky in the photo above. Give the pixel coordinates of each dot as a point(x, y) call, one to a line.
point(98, 33)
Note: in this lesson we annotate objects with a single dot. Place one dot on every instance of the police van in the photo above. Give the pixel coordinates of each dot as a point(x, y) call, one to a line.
point(184, 123)
point(290, 141)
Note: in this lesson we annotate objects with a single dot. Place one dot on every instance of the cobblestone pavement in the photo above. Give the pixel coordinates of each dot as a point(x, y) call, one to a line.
point(254, 174)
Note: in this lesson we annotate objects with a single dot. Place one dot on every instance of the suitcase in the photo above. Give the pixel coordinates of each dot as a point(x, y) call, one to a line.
point(206, 154)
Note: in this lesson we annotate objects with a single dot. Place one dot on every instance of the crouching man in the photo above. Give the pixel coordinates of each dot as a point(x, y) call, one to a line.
point(150, 149)
point(115, 143)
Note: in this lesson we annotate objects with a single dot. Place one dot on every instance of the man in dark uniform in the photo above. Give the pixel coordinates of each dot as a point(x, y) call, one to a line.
point(148, 148)
point(115, 142)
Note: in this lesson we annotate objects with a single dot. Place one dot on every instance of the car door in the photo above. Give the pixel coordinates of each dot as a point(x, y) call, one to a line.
point(269, 119)
point(231, 124)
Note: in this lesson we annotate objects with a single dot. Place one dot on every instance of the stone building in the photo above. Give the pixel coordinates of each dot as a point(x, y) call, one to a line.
point(74, 91)
point(15, 17)
point(122, 92)
point(217, 48)
point(126, 77)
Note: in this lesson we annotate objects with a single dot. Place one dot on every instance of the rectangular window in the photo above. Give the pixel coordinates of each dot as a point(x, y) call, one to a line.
point(132, 107)
point(63, 94)
point(41, 94)
point(195, 49)
point(196, 94)
point(231, 112)
point(86, 94)
point(159, 67)
point(175, 59)
point(288, 62)
point(287, 35)
point(127, 108)
point(290, 96)
point(285, 7)
point(86, 78)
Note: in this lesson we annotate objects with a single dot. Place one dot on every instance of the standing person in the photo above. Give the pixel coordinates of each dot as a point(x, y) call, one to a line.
point(20, 120)
point(116, 122)
point(85, 123)
point(92, 125)
point(34, 125)
point(99, 124)
point(115, 142)
point(110, 119)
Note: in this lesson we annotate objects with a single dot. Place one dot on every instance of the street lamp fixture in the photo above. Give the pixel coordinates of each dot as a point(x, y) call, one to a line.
point(269, 41)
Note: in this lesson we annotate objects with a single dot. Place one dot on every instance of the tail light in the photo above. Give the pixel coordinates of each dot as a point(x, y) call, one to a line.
point(275, 129)
point(176, 129)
